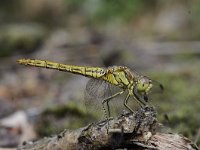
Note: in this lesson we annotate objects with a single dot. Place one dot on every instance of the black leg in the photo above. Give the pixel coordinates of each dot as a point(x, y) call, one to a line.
point(108, 107)
point(125, 103)
point(137, 98)
point(107, 101)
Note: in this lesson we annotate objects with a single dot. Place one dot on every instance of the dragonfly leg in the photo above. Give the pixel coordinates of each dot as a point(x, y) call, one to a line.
point(107, 103)
point(141, 103)
point(108, 99)
point(137, 98)
point(126, 102)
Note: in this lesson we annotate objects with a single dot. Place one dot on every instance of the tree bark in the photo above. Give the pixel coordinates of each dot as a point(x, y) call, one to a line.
point(128, 131)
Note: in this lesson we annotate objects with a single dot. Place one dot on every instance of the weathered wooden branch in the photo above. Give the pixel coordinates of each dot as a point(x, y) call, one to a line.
point(131, 131)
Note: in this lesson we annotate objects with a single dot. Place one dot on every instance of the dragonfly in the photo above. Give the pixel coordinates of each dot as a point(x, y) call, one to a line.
point(136, 85)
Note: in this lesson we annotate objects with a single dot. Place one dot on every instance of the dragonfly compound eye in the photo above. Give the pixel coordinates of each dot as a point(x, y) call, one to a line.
point(144, 84)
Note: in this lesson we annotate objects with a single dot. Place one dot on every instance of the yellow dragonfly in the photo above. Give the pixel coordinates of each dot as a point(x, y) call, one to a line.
point(136, 85)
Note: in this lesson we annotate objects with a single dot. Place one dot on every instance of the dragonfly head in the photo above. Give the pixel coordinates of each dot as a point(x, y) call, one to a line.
point(144, 84)
point(142, 87)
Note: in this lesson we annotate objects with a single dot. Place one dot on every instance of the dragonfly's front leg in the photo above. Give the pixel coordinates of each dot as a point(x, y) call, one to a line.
point(126, 102)
point(137, 97)
point(140, 102)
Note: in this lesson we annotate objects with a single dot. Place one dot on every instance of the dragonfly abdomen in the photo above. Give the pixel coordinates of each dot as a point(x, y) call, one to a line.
point(93, 72)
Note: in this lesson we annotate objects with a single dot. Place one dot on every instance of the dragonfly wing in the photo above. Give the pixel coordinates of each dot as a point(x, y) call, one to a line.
point(96, 91)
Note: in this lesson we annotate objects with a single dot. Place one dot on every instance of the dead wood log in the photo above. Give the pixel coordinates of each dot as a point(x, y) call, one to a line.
point(128, 131)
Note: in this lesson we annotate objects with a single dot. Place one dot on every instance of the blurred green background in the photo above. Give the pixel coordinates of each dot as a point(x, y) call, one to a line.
point(158, 38)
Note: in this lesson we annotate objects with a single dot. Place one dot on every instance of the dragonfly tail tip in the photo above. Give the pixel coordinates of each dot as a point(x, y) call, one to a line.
point(21, 61)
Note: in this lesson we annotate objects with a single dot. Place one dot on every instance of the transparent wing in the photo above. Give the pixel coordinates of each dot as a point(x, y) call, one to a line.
point(96, 91)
